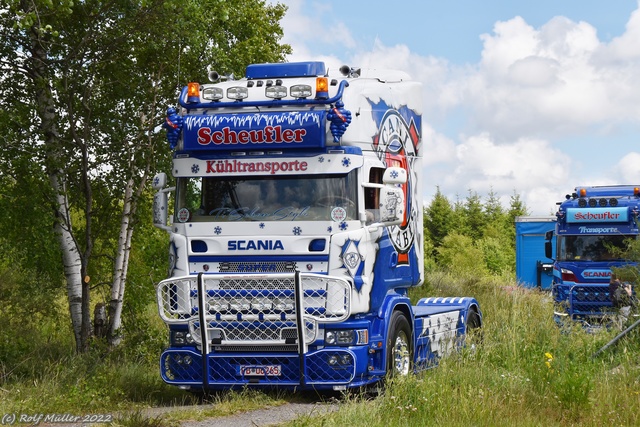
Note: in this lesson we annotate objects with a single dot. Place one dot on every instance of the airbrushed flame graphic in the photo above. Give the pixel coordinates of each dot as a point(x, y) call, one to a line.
point(295, 118)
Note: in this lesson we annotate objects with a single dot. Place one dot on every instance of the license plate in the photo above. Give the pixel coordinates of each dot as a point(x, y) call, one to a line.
point(260, 370)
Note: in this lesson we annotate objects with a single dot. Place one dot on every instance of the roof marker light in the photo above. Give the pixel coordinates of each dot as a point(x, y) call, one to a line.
point(583, 192)
point(636, 191)
point(193, 92)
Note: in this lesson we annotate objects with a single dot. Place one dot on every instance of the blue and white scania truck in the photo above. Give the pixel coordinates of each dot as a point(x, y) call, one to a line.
point(593, 225)
point(296, 233)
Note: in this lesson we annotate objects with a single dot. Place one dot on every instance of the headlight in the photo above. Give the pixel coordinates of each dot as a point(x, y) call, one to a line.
point(179, 338)
point(346, 337)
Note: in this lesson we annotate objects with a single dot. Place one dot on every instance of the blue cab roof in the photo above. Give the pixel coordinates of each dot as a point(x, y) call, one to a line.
point(608, 190)
point(285, 69)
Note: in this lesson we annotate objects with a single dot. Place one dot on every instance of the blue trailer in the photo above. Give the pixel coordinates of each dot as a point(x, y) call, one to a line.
point(533, 267)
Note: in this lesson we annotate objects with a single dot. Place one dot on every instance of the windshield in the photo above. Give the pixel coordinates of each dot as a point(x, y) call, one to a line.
point(591, 248)
point(306, 198)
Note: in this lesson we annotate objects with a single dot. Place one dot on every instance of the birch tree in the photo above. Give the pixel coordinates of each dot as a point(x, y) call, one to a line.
point(96, 78)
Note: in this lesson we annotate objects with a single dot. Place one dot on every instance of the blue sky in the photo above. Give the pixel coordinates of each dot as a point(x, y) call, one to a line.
point(519, 96)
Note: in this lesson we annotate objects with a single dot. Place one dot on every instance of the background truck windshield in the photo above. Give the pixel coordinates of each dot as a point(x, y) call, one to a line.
point(591, 248)
point(305, 198)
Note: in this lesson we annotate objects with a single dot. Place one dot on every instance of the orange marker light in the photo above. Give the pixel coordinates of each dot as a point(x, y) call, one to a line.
point(322, 88)
point(193, 92)
point(636, 191)
point(583, 192)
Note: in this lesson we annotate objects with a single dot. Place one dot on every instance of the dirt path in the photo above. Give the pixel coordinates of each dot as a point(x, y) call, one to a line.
point(259, 418)
point(266, 417)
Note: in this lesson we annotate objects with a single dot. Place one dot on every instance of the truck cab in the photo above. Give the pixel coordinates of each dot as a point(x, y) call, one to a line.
point(297, 231)
point(593, 228)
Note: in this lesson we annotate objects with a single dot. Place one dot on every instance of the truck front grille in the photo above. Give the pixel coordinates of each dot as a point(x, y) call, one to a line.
point(258, 309)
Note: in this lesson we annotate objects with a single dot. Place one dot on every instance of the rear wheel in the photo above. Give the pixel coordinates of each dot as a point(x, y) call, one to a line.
point(399, 346)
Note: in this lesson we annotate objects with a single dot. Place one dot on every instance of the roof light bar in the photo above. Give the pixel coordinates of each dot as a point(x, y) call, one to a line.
point(212, 93)
point(275, 92)
point(238, 93)
point(300, 91)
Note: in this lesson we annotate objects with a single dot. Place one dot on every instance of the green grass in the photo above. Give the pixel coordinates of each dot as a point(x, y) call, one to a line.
point(524, 371)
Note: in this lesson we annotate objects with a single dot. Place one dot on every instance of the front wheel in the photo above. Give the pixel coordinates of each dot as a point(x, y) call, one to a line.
point(399, 346)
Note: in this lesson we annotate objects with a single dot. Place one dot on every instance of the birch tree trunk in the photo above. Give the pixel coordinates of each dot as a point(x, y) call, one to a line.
point(71, 258)
point(120, 267)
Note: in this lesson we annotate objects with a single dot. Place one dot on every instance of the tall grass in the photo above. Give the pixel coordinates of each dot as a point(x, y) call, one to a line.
point(523, 371)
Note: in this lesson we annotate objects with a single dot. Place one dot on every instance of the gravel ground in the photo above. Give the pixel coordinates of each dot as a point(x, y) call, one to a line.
point(259, 418)
point(266, 417)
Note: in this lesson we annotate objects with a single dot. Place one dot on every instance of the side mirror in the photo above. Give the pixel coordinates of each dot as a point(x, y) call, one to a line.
point(391, 202)
point(159, 181)
point(547, 250)
point(160, 201)
point(394, 176)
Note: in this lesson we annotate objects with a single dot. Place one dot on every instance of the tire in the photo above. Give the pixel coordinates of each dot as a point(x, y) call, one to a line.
point(399, 346)
point(473, 320)
point(473, 329)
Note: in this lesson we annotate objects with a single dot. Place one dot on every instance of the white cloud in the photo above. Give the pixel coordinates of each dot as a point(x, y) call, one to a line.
point(555, 80)
point(311, 23)
point(522, 118)
point(625, 47)
point(628, 169)
point(482, 165)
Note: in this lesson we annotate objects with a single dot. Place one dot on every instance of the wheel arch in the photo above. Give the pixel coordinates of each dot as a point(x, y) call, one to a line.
point(474, 310)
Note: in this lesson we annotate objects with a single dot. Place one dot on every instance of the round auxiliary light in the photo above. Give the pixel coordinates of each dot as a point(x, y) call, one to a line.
point(602, 202)
point(613, 202)
point(582, 203)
